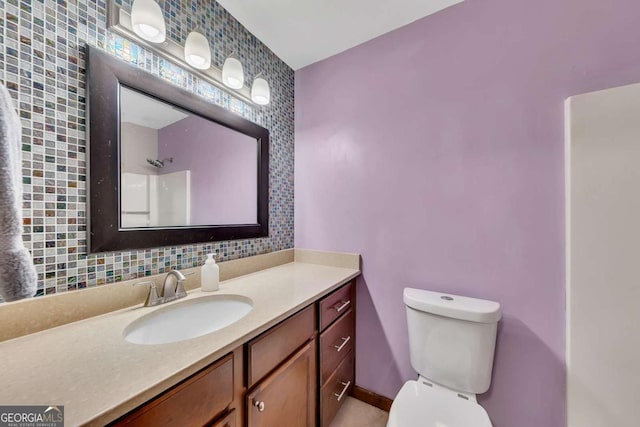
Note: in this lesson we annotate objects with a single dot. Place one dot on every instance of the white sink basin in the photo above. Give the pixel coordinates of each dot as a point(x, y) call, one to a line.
point(189, 319)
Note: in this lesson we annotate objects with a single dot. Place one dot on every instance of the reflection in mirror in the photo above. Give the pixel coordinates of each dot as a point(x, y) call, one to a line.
point(179, 169)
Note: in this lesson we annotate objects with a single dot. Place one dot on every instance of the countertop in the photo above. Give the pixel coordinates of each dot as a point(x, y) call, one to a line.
point(88, 367)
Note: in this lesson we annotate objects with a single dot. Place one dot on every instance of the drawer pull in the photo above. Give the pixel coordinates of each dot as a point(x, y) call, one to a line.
point(341, 306)
point(344, 342)
point(344, 390)
point(259, 404)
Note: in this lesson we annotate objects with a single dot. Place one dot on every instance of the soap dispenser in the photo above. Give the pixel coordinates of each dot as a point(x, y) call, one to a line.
point(210, 274)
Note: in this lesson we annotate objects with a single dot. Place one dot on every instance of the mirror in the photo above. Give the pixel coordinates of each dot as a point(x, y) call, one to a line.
point(165, 166)
point(179, 169)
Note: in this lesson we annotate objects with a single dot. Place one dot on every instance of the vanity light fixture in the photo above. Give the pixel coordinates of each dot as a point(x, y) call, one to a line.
point(260, 91)
point(197, 52)
point(145, 26)
point(232, 72)
point(147, 20)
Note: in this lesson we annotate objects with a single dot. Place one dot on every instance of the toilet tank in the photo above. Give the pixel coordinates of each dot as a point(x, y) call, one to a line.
point(452, 338)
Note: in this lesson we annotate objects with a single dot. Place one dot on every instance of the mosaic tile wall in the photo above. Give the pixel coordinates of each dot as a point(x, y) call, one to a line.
point(42, 64)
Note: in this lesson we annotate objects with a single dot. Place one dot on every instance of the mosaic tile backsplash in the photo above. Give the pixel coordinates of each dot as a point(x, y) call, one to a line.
point(42, 65)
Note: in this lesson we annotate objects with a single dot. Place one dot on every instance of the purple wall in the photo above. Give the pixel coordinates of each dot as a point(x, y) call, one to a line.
point(224, 168)
point(437, 150)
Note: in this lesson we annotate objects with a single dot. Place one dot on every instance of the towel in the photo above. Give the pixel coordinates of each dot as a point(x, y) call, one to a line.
point(18, 278)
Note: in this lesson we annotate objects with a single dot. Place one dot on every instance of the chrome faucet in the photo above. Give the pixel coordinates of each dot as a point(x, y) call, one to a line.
point(172, 289)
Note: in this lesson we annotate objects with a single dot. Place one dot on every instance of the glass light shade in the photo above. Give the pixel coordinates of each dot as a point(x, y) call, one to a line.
point(260, 92)
point(232, 73)
point(197, 52)
point(147, 20)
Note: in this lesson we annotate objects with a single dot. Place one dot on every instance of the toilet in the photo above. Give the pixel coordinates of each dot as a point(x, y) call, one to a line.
point(452, 343)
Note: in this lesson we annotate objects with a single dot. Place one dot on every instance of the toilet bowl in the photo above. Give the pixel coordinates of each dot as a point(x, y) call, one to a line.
point(452, 344)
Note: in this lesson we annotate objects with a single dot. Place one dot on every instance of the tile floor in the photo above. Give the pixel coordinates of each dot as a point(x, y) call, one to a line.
point(355, 413)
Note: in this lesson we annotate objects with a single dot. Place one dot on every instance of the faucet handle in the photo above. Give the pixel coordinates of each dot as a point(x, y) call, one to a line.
point(152, 297)
point(180, 291)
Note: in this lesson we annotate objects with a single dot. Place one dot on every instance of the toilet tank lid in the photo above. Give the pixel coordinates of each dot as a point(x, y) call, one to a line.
point(454, 306)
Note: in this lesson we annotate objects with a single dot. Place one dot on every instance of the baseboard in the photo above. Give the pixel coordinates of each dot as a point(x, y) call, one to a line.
point(373, 399)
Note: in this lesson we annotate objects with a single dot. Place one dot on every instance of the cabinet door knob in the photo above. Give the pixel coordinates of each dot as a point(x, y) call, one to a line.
point(259, 404)
point(344, 342)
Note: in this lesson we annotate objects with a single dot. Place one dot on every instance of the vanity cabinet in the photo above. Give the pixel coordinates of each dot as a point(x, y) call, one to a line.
point(336, 351)
point(296, 374)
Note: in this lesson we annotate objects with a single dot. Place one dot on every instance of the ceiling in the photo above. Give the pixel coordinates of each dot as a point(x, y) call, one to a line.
point(145, 111)
point(302, 32)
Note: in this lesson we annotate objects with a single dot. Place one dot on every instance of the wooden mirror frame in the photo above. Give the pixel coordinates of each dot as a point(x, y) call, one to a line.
point(105, 74)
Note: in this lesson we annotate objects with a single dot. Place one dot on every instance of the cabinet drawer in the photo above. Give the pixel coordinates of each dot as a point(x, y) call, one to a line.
point(228, 420)
point(336, 390)
point(194, 402)
point(267, 351)
point(335, 343)
point(335, 305)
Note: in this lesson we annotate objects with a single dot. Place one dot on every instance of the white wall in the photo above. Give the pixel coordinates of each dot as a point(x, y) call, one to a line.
point(139, 143)
point(603, 258)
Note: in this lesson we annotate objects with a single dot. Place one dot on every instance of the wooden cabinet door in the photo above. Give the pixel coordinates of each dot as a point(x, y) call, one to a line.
point(287, 397)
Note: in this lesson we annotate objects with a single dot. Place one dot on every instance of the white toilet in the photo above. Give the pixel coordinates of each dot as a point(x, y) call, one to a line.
point(452, 342)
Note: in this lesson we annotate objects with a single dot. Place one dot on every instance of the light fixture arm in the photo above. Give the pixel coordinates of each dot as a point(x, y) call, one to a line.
point(119, 21)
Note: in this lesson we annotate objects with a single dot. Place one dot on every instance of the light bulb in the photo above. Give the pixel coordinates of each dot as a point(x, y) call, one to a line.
point(148, 31)
point(147, 20)
point(232, 73)
point(196, 51)
point(260, 91)
point(196, 60)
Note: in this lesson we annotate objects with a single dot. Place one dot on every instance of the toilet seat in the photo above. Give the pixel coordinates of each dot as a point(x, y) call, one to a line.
point(420, 405)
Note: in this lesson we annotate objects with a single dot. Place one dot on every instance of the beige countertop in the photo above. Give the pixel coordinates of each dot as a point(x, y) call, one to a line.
point(88, 367)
